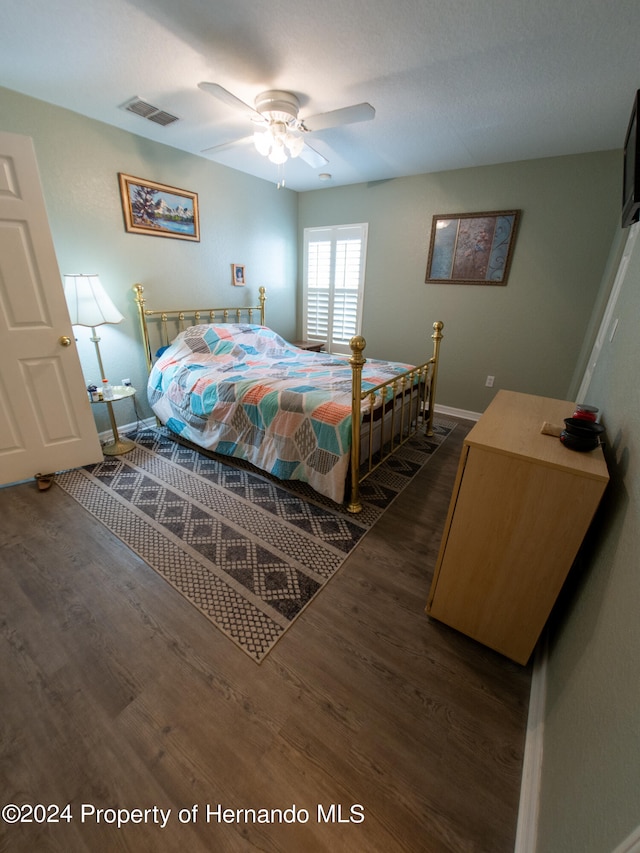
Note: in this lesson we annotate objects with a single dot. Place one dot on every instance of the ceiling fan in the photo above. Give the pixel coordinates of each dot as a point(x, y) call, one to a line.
point(281, 133)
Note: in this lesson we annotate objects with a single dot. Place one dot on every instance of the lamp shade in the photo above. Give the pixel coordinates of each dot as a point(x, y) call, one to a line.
point(88, 302)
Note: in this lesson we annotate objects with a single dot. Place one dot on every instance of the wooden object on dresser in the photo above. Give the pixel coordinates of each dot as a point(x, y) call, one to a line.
point(521, 506)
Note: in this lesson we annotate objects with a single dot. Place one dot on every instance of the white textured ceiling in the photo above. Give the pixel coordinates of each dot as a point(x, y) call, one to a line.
point(455, 83)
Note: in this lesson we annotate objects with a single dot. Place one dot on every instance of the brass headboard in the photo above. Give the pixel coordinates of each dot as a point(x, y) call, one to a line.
point(174, 321)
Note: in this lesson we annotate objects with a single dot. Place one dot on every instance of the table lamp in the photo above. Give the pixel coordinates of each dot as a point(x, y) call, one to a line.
point(90, 305)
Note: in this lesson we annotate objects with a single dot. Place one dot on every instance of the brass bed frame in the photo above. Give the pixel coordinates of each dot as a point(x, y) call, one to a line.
point(389, 427)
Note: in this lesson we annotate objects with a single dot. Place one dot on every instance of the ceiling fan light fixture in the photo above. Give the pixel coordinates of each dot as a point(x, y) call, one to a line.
point(278, 153)
point(277, 143)
point(282, 132)
point(295, 144)
point(263, 141)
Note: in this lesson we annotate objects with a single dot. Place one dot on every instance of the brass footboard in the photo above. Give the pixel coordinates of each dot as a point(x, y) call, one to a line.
point(407, 403)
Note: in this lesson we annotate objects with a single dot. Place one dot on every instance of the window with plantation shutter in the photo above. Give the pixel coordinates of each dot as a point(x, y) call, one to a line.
point(334, 265)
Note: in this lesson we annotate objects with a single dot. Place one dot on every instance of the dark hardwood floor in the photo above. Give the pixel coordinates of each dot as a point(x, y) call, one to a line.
point(117, 694)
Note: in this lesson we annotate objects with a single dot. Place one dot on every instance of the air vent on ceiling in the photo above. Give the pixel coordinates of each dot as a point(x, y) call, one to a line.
point(142, 108)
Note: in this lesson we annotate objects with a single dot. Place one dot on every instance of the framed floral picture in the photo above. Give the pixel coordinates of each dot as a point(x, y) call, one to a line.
point(158, 210)
point(472, 248)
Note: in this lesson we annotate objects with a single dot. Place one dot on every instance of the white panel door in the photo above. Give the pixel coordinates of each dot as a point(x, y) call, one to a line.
point(46, 423)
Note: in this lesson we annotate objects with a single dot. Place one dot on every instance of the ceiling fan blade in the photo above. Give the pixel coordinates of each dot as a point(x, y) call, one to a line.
point(237, 143)
point(227, 98)
point(335, 118)
point(312, 157)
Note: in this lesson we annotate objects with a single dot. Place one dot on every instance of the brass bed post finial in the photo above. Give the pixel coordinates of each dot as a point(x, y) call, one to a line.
point(262, 298)
point(138, 289)
point(438, 326)
point(357, 361)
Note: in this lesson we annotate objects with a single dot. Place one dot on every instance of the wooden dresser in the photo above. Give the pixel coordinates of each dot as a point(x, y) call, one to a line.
point(521, 505)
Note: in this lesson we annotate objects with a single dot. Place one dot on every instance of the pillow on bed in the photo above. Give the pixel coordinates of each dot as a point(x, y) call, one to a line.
point(225, 338)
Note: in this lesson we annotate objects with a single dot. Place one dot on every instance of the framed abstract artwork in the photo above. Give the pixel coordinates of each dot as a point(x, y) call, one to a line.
point(472, 248)
point(158, 210)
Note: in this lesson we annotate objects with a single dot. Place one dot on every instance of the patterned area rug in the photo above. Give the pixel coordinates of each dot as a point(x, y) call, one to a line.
point(248, 551)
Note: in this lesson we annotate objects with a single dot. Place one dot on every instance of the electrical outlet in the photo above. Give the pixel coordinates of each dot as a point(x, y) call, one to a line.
point(490, 381)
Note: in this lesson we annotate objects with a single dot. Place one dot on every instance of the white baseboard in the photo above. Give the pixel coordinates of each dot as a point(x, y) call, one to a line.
point(457, 413)
point(528, 812)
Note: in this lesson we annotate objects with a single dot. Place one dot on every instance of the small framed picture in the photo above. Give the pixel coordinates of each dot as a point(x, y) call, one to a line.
point(237, 275)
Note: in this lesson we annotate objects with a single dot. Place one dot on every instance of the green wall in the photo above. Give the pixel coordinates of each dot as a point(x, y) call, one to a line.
point(242, 220)
point(529, 333)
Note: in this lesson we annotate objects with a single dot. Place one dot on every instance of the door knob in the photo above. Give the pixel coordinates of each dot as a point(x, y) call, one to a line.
point(65, 341)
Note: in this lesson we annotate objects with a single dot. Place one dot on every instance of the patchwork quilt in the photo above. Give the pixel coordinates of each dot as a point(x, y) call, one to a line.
point(241, 390)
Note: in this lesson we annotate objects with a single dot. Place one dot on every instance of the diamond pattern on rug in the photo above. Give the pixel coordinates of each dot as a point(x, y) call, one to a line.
point(249, 551)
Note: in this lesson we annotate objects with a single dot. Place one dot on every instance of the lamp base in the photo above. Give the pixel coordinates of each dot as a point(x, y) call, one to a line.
point(115, 448)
